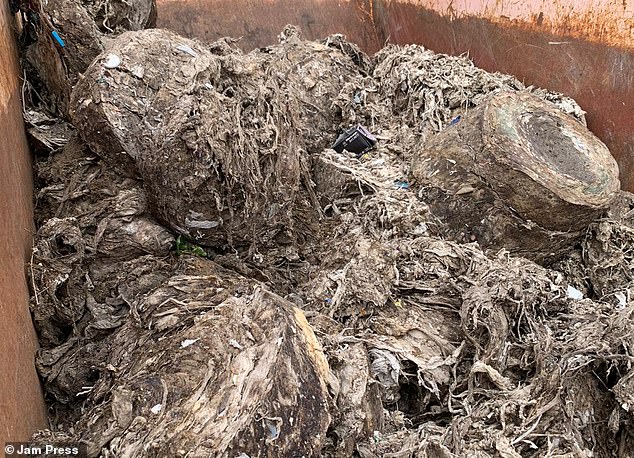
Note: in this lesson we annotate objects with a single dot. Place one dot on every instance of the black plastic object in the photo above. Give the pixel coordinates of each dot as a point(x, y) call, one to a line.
point(357, 140)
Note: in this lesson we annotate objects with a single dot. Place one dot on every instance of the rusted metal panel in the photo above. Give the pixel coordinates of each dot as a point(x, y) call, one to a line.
point(258, 22)
point(610, 22)
point(583, 48)
point(21, 403)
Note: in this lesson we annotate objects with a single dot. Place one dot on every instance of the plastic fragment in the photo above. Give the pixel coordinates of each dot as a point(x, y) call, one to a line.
point(574, 293)
point(58, 39)
point(188, 342)
point(112, 61)
point(357, 140)
point(235, 344)
point(188, 50)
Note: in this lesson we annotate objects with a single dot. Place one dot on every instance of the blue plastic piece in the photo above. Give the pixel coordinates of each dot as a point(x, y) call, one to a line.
point(455, 120)
point(58, 38)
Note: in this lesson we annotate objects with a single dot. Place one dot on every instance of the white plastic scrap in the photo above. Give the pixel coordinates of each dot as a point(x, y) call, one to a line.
point(85, 390)
point(187, 49)
point(112, 61)
point(385, 367)
point(234, 343)
point(193, 220)
point(156, 409)
point(187, 342)
point(574, 293)
point(421, 229)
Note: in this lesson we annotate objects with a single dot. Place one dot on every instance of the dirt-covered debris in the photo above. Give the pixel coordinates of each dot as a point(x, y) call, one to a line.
point(608, 256)
point(237, 374)
point(328, 312)
point(96, 249)
point(62, 37)
point(482, 355)
point(220, 141)
point(425, 88)
point(517, 173)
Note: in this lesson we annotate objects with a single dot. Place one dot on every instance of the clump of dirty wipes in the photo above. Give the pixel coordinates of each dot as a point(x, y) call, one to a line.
point(219, 139)
point(209, 279)
point(60, 38)
point(426, 91)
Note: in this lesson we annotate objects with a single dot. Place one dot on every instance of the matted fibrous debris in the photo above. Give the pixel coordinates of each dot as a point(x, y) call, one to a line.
point(61, 38)
point(427, 89)
point(220, 141)
point(517, 173)
point(330, 313)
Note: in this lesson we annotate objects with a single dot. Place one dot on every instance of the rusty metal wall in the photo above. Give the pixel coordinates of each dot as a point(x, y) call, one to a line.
point(610, 22)
point(583, 48)
point(258, 22)
point(21, 404)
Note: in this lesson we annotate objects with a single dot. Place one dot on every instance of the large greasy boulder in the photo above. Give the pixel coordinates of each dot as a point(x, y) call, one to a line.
point(517, 173)
point(242, 376)
point(216, 136)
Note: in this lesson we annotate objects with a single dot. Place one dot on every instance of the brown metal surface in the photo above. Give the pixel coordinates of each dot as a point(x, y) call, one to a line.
point(609, 22)
point(583, 48)
point(21, 405)
point(258, 22)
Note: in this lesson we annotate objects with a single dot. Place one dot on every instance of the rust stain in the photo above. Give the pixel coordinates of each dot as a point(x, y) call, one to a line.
point(257, 23)
point(8, 76)
point(592, 26)
point(367, 8)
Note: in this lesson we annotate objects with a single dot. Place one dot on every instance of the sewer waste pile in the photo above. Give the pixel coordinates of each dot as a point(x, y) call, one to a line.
point(210, 278)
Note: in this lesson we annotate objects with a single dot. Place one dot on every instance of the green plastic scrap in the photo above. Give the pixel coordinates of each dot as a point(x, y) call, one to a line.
point(185, 247)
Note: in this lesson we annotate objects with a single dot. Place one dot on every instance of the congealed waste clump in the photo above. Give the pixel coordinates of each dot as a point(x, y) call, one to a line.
point(210, 278)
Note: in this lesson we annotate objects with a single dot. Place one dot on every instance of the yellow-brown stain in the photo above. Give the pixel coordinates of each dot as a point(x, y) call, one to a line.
point(314, 348)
